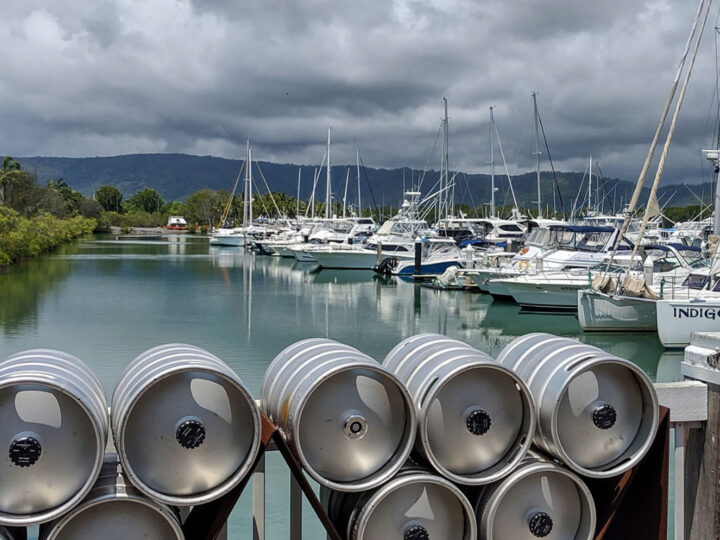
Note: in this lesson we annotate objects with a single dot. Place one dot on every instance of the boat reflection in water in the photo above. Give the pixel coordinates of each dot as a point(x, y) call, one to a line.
point(323, 302)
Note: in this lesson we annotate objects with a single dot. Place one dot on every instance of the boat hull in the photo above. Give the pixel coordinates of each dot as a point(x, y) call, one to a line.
point(677, 319)
point(352, 259)
point(227, 241)
point(426, 268)
point(536, 295)
point(599, 312)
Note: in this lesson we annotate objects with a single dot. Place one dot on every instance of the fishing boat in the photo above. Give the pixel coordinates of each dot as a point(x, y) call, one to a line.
point(436, 255)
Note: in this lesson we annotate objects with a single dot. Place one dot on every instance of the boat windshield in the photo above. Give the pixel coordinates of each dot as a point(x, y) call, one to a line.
point(664, 261)
point(539, 237)
point(341, 226)
point(594, 241)
point(695, 259)
point(405, 228)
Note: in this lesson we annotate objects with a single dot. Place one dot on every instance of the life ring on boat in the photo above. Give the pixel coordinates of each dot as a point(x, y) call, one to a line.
point(524, 250)
point(524, 265)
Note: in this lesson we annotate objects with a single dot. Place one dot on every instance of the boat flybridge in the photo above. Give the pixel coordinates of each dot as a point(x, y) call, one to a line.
point(493, 230)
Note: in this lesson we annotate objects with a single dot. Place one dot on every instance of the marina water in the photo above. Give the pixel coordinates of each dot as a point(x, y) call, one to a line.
point(105, 300)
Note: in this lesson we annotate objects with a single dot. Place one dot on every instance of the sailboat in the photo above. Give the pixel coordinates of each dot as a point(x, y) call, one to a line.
point(246, 235)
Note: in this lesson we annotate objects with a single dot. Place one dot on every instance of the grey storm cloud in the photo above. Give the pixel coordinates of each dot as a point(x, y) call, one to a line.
point(122, 76)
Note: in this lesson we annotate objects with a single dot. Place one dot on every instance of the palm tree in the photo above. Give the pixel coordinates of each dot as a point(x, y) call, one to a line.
point(10, 171)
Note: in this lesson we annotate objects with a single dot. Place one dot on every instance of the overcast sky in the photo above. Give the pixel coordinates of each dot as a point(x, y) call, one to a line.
point(109, 77)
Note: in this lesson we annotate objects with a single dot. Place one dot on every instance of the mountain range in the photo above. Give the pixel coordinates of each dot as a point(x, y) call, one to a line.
point(176, 176)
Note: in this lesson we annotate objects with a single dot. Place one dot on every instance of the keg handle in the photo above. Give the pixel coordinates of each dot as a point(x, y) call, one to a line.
point(540, 523)
point(604, 415)
point(25, 449)
point(477, 420)
point(354, 424)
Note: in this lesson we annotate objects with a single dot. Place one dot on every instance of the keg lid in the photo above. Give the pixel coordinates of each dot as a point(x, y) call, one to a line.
point(354, 424)
point(416, 507)
point(188, 433)
point(50, 448)
point(599, 414)
point(474, 420)
point(134, 517)
point(539, 504)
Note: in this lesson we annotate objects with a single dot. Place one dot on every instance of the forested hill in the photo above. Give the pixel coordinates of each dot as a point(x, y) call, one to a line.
point(176, 176)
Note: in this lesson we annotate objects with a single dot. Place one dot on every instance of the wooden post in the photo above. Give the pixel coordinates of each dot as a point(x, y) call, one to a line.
point(702, 449)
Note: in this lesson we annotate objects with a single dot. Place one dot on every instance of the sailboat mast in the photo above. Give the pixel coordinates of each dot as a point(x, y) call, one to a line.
point(246, 191)
point(590, 187)
point(297, 200)
point(327, 187)
point(347, 179)
point(450, 198)
point(249, 186)
point(537, 154)
point(492, 165)
point(357, 164)
point(312, 198)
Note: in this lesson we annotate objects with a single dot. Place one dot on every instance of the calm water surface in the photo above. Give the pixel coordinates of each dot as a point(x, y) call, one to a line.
point(107, 300)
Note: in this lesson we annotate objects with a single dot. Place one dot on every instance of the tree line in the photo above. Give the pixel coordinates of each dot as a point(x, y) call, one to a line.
point(35, 218)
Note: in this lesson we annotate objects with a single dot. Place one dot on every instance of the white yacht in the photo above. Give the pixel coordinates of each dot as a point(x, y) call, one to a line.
point(330, 232)
point(395, 238)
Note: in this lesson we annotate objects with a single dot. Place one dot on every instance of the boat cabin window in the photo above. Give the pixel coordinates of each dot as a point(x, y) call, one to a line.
point(696, 281)
point(510, 227)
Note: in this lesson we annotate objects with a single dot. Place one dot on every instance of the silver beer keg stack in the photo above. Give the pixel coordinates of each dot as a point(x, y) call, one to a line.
point(588, 413)
point(434, 443)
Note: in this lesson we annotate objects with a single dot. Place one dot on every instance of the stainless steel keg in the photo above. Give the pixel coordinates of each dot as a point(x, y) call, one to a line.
point(539, 499)
point(597, 413)
point(349, 421)
point(14, 533)
point(185, 427)
point(115, 505)
point(414, 505)
point(53, 421)
point(476, 418)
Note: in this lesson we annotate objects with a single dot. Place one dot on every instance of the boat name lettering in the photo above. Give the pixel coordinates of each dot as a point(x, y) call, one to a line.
point(696, 313)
